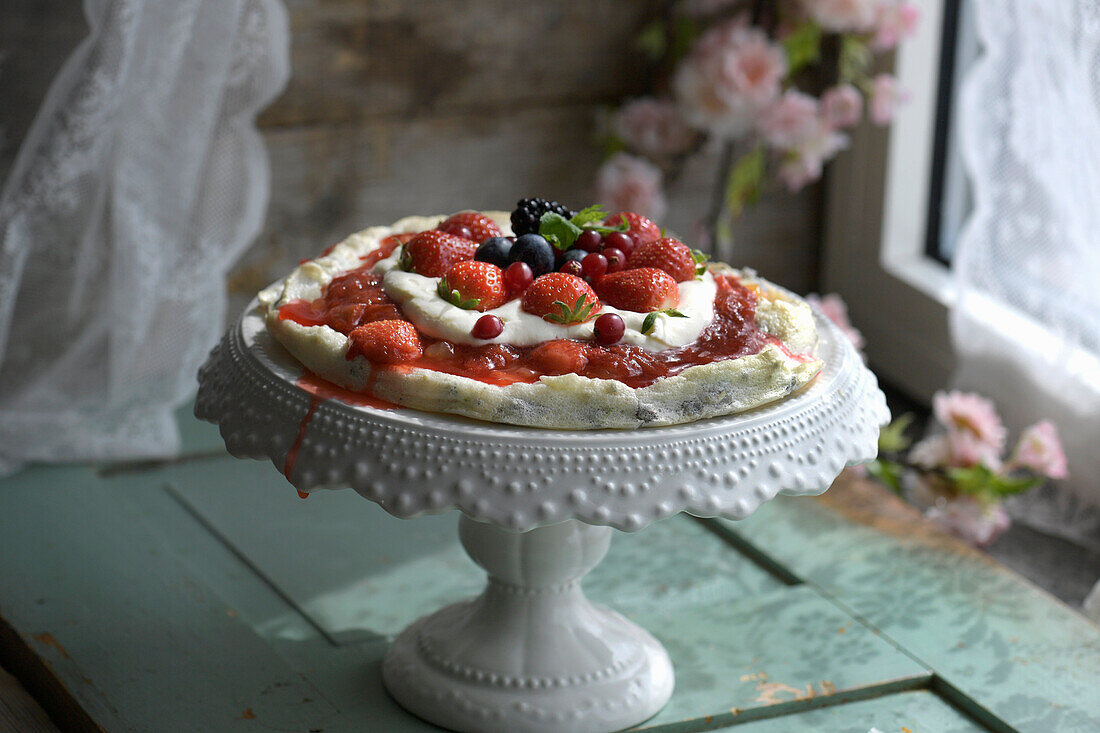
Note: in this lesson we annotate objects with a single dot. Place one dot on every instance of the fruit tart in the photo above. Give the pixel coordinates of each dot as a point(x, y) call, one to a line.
point(544, 317)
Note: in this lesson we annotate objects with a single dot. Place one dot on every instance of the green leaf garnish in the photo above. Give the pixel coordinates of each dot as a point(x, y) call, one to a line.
point(562, 233)
point(454, 297)
point(589, 214)
point(651, 318)
point(579, 312)
point(701, 258)
point(405, 260)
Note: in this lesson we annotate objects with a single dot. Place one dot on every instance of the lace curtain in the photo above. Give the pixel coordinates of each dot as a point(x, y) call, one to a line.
point(140, 181)
point(1027, 322)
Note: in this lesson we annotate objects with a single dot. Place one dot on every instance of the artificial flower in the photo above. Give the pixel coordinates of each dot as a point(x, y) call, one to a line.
point(842, 15)
point(833, 307)
point(886, 96)
point(790, 120)
point(628, 183)
point(968, 413)
point(732, 73)
point(653, 127)
point(894, 22)
point(1040, 450)
point(970, 519)
point(841, 106)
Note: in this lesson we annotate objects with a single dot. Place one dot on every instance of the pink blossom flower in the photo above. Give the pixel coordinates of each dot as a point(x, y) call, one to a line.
point(792, 119)
point(836, 310)
point(628, 183)
point(804, 163)
point(968, 413)
point(886, 96)
point(842, 15)
point(968, 518)
point(1040, 450)
point(895, 20)
point(653, 127)
point(841, 106)
point(954, 449)
point(732, 73)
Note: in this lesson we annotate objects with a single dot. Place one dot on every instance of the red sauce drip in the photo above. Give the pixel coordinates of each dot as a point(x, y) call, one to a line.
point(292, 454)
point(320, 390)
point(357, 297)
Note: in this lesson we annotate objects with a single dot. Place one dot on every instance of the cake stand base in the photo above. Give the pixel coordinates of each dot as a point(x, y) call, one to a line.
point(531, 653)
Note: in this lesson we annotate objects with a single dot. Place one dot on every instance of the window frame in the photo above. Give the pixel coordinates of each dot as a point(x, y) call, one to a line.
point(875, 250)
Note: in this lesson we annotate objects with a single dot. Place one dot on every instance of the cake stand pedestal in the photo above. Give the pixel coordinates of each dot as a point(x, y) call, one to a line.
point(531, 653)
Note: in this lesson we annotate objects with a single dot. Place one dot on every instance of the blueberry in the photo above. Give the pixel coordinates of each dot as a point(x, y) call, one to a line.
point(495, 250)
point(535, 251)
point(571, 254)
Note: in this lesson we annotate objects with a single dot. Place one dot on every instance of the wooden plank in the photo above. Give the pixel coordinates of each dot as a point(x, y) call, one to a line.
point(770, 654)
point(331, 181)
point(1005, 648)
point(133, 636)
point(362, 574)
point(917, 711)
point(354, 60)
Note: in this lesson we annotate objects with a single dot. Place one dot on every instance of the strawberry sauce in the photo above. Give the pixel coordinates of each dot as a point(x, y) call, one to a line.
point(357, 297)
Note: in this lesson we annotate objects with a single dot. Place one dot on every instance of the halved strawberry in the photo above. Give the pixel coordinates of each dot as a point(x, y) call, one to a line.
point(668, 254)
point(480, 226)
point(561, 356)
point(643, 229)
point(473, 285)
point(641, 290)
point(385, 342)
point(431, 253)
point(561, 298)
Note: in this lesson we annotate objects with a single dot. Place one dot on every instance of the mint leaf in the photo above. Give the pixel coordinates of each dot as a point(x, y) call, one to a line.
point(651, 318)
point(701, 258)
point(558, 231)
point(745, 180)
point(803, 46)
point(589, 214)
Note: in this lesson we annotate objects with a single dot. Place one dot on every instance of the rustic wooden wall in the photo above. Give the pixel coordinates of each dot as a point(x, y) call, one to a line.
point(432, 106)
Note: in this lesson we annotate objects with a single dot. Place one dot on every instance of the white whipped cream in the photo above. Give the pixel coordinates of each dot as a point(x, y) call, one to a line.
point(436, 317)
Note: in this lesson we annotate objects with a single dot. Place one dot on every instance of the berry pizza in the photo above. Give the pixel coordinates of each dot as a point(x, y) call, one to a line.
point(546, 317)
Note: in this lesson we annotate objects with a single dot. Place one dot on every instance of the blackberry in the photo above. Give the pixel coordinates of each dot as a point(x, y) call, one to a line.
point(525, 219)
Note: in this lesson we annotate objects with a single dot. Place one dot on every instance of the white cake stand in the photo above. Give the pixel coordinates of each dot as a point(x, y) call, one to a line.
point(531, 653)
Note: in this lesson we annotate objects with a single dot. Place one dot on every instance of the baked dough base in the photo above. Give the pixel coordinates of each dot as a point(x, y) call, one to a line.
point(569, 401)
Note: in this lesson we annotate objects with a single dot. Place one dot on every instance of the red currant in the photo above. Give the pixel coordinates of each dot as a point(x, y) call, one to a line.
point(573, 267)
point(487, 327)
point(589, 240)
point(616, 260)
point(594, 265)
point(517, 276)
point(618, 240)
point(608, 329)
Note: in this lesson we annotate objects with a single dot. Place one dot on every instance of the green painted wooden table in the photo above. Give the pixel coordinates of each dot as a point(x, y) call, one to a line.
point(202, 594)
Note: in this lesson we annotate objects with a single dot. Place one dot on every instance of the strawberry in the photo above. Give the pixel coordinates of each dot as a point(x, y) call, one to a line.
point(480, 226)
point(641, 290)
point(561, 356)
point(473, 285)
point(431, 253)
point(559, 297)
point(642, 228)
point(670, 255)
point(385, 342)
